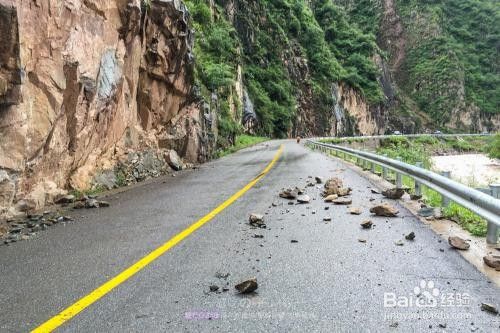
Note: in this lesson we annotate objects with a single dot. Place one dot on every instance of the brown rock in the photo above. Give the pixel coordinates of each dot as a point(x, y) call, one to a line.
point(331, 197)
point(344, 191)
point(367, 224)
point(384, 210)
point(335, 186)
point(393, 193)
point(355, 211)
point(342, 201)
point(458, 243)
point(247, 286)
point(492, 260)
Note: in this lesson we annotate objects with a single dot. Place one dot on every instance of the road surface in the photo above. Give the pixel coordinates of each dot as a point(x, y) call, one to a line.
point(326, 281)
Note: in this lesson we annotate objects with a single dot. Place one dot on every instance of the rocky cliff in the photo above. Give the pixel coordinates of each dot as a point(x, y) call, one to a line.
point(87, 86)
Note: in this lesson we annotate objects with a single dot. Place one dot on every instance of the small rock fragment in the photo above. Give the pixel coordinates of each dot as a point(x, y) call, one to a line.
point(289, 193)
point(319, 180)
point(399, 243)
point(258, 236)
point(91, 203)
point(393, 193)
point(489, 308)
point(361, 240)
point(327, 219)
point(384, 210)
point(64, 199)
point(103, 204)
point(458, 243)
point(256, 218)
point(367, 224)
point(303, 199)
point(355, 211)
point(375, 191)
point(294, 241)
point(247, 286)
point(410, 236)
point(214, 288)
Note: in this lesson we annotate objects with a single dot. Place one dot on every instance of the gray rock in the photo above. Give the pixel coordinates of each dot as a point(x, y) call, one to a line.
point(174, 160)
point(107, 179)
point(489, 308)
point(91, 203)
point(393, 193)
point(410, 236)
point(426, 212)
point(303, 199)
point(64, 199)
point(342, 201)
point(319, 180)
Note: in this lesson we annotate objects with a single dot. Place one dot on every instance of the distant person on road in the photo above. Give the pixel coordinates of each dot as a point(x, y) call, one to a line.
point(298, 139)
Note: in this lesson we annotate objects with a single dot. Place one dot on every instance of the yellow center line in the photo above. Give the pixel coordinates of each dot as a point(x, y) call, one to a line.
point(84, 302)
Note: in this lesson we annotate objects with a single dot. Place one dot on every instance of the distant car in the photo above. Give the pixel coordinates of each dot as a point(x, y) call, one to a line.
point(438, 132)
point(396, 133)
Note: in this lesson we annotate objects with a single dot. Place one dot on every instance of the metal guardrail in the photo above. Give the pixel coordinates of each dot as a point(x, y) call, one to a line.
point(405, 135)
point(478, 202)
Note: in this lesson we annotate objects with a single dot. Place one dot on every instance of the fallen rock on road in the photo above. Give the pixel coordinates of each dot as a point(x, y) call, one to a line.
point(493, 261)
point(384, 210)
point(367, 224)
point(393, 193)
point(458, 243)
point(342, 201)
point(247, 286)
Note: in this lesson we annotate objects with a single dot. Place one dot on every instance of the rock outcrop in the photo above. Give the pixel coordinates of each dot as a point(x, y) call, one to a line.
point(89, 83)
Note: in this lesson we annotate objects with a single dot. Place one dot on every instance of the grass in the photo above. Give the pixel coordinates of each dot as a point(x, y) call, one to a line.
point(242, 141)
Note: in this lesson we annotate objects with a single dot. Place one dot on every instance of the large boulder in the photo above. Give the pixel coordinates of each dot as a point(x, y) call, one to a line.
point(174, 160)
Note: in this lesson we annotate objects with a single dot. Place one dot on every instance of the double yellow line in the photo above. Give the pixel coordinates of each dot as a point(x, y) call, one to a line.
point(84, 302)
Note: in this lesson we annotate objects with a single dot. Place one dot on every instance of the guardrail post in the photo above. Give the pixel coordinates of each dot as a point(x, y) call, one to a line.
point(418, 186)
point(399, 179)
point(493, 230)
point(445, 202)
point(384, 170)
point(372, 167)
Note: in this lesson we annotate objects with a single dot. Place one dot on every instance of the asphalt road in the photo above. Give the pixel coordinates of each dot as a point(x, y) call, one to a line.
point(328, 281)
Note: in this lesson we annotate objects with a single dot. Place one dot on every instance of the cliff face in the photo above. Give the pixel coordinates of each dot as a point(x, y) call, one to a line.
point(86, 83)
